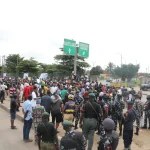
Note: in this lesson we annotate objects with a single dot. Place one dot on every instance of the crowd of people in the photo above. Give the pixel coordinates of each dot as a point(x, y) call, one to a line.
point(84, 104)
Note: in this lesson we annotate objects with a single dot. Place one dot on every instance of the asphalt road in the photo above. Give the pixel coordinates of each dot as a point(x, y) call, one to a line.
point(12, 139)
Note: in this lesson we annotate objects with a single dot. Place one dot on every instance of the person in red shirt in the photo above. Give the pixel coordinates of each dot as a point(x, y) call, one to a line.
point(26, 92)
point(31, 88)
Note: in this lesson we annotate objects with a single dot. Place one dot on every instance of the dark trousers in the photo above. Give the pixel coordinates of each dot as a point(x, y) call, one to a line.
point(26, 129)
point(2, 97)
point(127, 137)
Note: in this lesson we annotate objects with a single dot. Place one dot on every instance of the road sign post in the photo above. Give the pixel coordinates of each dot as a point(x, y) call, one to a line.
point(83, 50)
point(70, 47)
point(75, 61)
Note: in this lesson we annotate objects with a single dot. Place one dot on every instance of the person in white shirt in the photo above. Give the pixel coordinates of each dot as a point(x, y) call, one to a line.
point(34, 97)
point(27, 111)
point(21, 92)
point(2, 87)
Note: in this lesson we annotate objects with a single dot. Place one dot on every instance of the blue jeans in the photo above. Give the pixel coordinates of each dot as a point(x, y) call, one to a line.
point(26, 129)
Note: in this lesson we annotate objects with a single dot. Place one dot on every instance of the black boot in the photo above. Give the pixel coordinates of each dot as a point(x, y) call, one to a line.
point(137, 131)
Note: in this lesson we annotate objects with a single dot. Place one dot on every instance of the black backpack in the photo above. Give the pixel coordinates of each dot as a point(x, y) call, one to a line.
point(72, 141)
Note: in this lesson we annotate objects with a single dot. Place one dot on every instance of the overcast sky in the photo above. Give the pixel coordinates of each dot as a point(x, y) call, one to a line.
point(37, 28)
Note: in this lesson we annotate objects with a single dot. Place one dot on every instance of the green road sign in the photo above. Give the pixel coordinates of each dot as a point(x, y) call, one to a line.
point(70, 47)
point(83, 50)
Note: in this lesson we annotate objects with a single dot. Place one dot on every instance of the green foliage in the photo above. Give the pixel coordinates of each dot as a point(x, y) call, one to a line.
point(12, 61)
point(126, 71)
point(110, 67)
point(29, 66)
point(96, 70)
point(66, 63)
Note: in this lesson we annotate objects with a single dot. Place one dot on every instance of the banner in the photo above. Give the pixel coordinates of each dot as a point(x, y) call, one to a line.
point(4, 75)
point(44, 76)
point(25, 75)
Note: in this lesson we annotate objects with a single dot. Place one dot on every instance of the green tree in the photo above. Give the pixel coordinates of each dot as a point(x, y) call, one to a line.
point(12, 61)
point(110, 67)
point(126, 71)
point(96, 70)
point(29, 66)
point(66, 64)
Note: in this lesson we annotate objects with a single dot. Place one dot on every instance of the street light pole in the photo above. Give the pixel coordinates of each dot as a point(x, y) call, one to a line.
point(121, 58)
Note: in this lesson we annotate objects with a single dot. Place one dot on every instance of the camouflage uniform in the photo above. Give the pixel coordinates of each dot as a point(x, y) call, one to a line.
point(47, 146)
point(138, 107)
point(78, 101)
point(119, 105)
point(147, 112)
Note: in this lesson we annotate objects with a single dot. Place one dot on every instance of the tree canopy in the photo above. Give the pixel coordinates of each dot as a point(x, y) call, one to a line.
point(15, 64)
point(126, 71)
point(66, 63)
point(110, 67)
point(96, 70)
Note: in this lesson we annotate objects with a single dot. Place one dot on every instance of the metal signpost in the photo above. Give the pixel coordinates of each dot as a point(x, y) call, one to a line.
point(70, 48)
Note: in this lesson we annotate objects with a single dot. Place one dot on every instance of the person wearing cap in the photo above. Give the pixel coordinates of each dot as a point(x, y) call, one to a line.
point(138, 107)
point(47, 134)
point(89, 117)
point(147, 112)
point(110, 135)
point(129, 118)
point(72, 140)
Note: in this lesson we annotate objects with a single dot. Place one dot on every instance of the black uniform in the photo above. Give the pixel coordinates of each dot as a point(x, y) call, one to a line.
point(129, 119)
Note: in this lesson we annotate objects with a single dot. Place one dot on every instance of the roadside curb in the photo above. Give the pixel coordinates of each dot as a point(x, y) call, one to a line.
point(20, 118)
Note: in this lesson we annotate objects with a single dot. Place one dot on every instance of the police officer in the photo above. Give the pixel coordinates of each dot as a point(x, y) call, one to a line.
point(72, 140)
point(129, 118)
point(138, 107)
point(119, 105)
point(47, 134)
point(110, 139)
point(78, 103)
point(147, 112)
point(91, 113)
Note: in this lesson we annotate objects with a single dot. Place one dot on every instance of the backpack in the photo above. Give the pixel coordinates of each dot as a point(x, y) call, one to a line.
point(106, 142)
point(72, 141)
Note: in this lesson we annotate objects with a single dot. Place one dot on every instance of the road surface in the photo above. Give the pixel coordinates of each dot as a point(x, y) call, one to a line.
point(12, 139)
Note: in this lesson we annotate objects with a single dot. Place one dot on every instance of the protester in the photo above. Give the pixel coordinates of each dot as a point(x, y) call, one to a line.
point(27, 111)
point(13, 108)
point(57, 110)
point(46, 102)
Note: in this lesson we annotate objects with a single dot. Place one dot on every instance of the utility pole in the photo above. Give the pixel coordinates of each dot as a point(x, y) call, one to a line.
point(93, 63)
point(75, 61)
